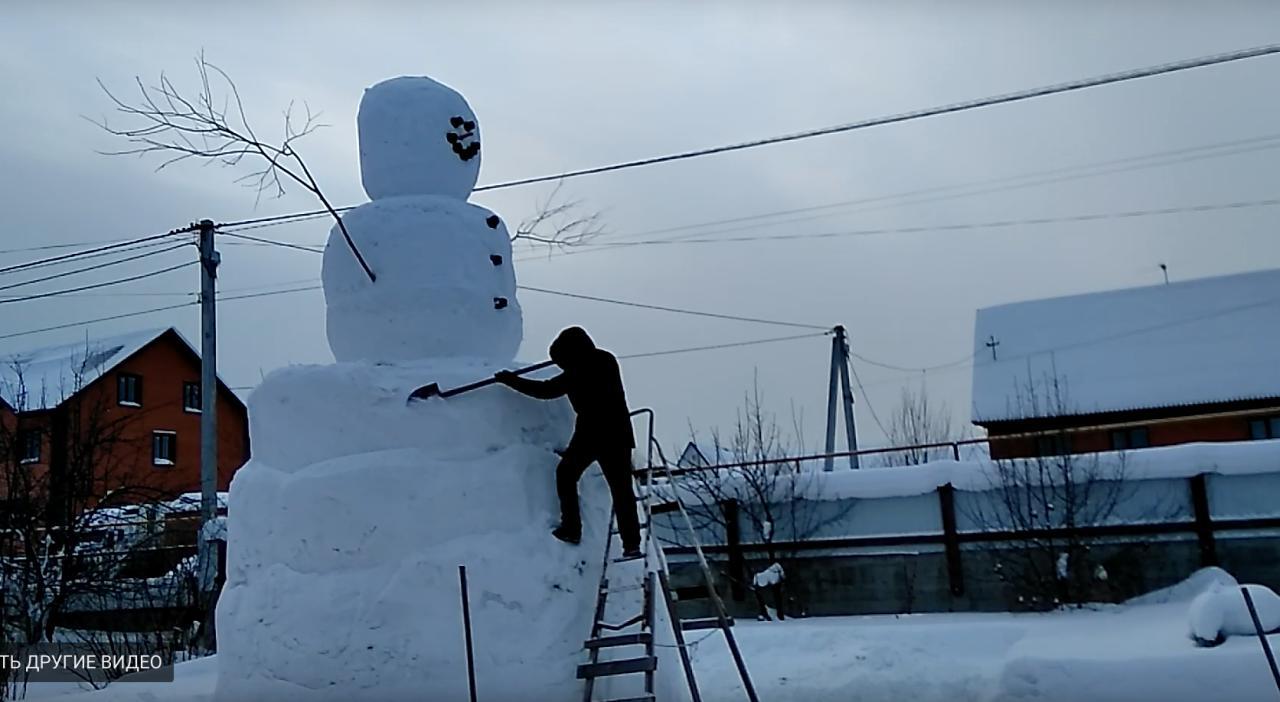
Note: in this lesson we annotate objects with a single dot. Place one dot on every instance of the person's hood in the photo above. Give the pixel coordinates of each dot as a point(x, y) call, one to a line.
point(571, 346)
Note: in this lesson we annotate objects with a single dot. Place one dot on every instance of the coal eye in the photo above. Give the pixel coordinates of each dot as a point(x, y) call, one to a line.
point(456, 122)
point(496, 260)
point(493, 221)
point(499, 303)
point(469, 125)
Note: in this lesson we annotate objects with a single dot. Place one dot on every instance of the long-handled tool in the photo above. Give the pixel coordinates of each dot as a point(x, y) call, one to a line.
point(433, 390)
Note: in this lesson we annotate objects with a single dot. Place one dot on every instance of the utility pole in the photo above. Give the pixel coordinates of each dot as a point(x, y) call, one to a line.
point(839, 380)
point(209, 259)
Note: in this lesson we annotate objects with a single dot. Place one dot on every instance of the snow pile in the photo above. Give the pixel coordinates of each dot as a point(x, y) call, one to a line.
point(769, 576)
point(1198, 582)
point(347, 527)
point(1221, 611)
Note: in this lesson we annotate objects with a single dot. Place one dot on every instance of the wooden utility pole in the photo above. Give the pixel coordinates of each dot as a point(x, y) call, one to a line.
point(839, 381)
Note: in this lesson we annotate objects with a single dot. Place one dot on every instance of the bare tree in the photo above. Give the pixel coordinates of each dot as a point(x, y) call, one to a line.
point(211, 125)
point(915, 423)
point(559, 223)
point(1047, 503)
point(751, 489)
point(66, 468)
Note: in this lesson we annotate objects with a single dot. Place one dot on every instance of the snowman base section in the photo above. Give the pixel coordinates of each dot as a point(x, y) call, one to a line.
point(347, 528)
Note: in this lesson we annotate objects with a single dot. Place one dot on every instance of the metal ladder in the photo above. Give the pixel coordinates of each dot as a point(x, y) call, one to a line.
point(638, 630)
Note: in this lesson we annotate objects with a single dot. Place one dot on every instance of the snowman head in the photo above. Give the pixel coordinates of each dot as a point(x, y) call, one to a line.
point(417, 137)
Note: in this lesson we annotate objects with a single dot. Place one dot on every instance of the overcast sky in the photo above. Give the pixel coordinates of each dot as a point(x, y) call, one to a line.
point(559, 86)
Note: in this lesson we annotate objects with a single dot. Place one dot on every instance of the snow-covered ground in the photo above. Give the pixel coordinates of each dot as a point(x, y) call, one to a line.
point(1115, 654)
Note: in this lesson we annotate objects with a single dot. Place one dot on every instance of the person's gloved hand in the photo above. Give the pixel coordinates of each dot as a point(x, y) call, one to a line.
point(505, 377)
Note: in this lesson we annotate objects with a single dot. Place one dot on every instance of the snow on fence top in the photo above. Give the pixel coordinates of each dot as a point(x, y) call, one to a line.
point(1195, 342)
point(1168, 462)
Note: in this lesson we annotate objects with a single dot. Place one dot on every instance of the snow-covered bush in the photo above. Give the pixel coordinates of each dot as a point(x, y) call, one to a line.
point(1221, 612)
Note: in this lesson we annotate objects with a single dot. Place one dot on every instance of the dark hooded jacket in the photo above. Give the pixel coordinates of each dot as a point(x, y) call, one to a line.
point(593, 383)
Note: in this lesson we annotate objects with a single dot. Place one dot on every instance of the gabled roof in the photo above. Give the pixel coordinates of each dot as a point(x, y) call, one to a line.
point(48, 376)
point(1198, 342)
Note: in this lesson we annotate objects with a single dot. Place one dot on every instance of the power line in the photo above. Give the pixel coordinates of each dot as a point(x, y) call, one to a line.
point(95, 251)
point(1018, 96)
point(271, 242)
point(1032, 221)
point(946, 192)
point(1035, 178)
point(713, 347)
point(676, 310)
point(867, 399)
point(92, 268)
point(152, 310)
point(905, 369)
point(68, 245)
point(94, 286)
point(1006, 98)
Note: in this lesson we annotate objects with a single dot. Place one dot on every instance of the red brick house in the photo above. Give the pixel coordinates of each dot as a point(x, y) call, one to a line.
point(1126, 369)
point(145, 386)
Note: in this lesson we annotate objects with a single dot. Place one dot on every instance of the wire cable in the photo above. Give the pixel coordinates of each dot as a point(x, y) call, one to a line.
point(270, 242)
point(866, 399)
point(94, 286)
point(692, 349)
point(996, 224)
point(99, 250)
point(1018, 96)
point(92, 268)
point(677, 310)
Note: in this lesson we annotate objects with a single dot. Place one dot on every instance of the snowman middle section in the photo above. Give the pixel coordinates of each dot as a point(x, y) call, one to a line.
point(351, 520)
point(445, 286)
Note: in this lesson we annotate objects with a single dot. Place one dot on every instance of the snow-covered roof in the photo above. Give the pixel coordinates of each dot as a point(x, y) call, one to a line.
point(49, 375)
point(695, 456)
point(1196, 342)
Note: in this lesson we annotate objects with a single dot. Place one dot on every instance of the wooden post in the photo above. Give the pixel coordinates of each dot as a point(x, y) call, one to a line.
point(733, 539)
point(951, 539)
point(1204, 521)
point(466, 626)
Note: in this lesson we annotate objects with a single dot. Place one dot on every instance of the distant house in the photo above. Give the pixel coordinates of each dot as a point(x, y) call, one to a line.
point(694, 456)
point(146, 385)
point(1126, 369)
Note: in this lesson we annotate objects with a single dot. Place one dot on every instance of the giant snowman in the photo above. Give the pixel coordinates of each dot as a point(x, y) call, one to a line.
point(347, 527)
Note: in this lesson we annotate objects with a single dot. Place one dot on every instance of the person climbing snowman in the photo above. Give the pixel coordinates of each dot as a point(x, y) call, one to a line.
point(601, 434)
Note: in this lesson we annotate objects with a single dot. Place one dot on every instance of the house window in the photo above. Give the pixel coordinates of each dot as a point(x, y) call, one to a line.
point(191, 397)
point(29, 442)
point(1125, 439)
point(164, 448)
point(1053, 445)
point(1265, 428)
point(129, 390)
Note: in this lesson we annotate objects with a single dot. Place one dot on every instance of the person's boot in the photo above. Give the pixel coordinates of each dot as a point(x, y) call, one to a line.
point(569, 536)
point(631, 553)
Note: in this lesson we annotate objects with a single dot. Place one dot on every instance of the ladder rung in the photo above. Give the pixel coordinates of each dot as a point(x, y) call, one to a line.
point(625, 588)
point(642, 637)
point(622, 667)
point(707, 623)
point(643, 698)
point(615, 627)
